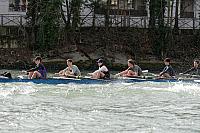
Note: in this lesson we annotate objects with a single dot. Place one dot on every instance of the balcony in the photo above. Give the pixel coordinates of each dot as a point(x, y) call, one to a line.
point(17, 8)
point(115, 21)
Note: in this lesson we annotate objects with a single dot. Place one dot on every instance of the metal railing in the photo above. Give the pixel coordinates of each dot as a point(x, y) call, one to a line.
point(13, 20)
point(99, 21)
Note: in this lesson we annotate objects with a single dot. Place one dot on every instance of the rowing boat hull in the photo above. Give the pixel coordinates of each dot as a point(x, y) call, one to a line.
point(83, 81)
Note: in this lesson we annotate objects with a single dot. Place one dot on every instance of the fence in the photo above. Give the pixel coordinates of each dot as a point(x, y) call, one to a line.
point(99, 21)
point(13, 20)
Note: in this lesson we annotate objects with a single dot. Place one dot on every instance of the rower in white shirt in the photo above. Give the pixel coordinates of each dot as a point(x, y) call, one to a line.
point(102, 72)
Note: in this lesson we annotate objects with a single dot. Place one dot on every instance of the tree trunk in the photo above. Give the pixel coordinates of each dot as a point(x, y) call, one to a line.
point(68, 13)
point(176, 28)
point(169, 12)
point(94, 15)
point(172, 12)
point(107, 14)
point(152, 20)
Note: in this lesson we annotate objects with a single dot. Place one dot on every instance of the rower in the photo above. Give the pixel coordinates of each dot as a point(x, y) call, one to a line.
point(132, 71)
point(71, 70)
point(102, 72)
point(195, 70)
point(39, 72)
point(168, 71)
point(6, 75)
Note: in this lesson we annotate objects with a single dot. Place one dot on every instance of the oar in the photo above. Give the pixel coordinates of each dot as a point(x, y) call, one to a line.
point(142, 77)
point(195, 76)
point(181, 75)
point(149, 75)
point(22, 75)
point(145, 71)
point(24, 71)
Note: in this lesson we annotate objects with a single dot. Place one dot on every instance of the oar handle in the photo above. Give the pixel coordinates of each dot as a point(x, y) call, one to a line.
point(145, 71)
point(24, 71)
point(56, 73)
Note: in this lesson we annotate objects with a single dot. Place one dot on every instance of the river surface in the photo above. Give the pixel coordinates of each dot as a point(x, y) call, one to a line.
point(119, 108)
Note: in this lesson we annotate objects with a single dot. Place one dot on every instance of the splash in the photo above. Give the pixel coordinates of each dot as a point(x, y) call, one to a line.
point(8, 89)
point(193, 89)
point(179, 87)
point(28, 88)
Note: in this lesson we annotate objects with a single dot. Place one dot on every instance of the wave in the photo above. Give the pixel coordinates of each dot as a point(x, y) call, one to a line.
point(8, 89)
point(28, 88)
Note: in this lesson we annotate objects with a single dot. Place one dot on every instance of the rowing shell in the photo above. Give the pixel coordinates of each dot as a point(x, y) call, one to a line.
point(62, 80)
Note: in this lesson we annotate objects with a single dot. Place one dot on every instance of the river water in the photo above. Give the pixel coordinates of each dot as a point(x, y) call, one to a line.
point(120, 107)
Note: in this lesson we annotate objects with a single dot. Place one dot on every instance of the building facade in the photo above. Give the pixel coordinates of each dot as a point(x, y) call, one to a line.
point(123, 13)
point(13, 6)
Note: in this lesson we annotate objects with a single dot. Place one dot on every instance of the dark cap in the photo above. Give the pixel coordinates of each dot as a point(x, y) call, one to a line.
point(167, 60)
point(100, 61)
point(131, 61)
point(69, 60)
point(38, 58)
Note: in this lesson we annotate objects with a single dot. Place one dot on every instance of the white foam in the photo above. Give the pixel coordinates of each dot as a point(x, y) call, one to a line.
point(180, 87)
point(193, 89)
point(16, 88)
point(3, 77)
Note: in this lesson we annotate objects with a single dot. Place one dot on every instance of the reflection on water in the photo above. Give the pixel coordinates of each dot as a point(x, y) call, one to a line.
point(136, 107)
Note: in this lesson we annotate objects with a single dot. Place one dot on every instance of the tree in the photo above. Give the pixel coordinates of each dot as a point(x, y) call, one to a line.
point(45, 22)
point(176, 16)
point(73, 9)
point(107, 13)
point(32, 16)
point(95, 6)
point(158, 30)
point(152, 20)
point(49, 23)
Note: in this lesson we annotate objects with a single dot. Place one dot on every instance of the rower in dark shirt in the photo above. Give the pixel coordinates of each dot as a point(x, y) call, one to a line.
point(168, 71)
point(39, 71)
point(195, 70)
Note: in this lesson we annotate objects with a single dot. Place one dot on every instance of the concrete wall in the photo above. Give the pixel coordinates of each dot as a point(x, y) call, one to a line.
point(4, 4)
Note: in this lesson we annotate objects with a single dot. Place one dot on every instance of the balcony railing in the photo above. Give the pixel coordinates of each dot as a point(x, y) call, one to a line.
point(99, 21)
point(12, 20)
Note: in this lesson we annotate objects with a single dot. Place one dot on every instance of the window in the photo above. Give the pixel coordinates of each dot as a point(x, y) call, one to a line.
point(17, 5)
point(129, 4)
point(114, 2)
point(128, 7)
point(122, 4)
point(138, 4)
point(187, 9)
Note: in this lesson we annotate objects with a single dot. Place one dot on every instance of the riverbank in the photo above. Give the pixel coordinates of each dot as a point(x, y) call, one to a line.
point(22, 59)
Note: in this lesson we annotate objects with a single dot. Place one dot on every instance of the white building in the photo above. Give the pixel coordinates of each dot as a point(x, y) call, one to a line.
point(130, 13)
point(12, 12)
point(13, 6)
point(135, 13)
